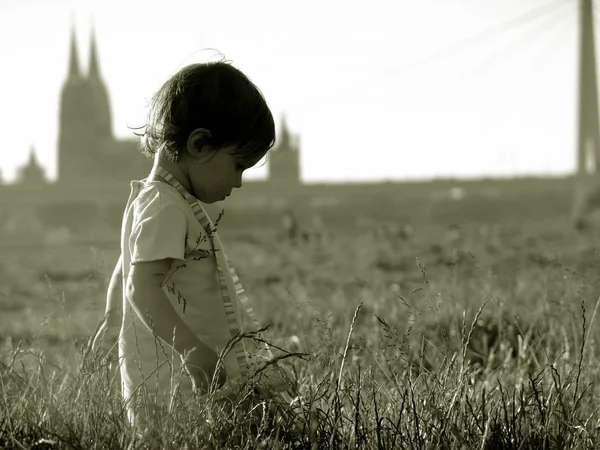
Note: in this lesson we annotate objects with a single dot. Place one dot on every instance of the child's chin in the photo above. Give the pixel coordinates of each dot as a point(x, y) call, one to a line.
point(210, 202)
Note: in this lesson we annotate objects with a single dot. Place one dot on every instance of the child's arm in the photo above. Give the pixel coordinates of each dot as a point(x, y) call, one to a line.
point(108, 333)
point(114, 296)
point(145, 294)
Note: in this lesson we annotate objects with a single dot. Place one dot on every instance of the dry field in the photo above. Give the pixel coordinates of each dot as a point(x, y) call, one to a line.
point(469, 336)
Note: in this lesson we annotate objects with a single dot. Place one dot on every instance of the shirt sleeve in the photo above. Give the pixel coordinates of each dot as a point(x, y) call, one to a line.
point(158, 233)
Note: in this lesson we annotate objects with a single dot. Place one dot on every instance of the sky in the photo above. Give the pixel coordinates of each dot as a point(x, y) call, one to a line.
point(377, 90)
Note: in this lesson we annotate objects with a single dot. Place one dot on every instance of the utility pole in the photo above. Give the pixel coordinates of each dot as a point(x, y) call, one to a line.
point(588, 137)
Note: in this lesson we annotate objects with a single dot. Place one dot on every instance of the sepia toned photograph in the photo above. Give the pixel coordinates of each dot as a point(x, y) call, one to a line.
point(299, 225)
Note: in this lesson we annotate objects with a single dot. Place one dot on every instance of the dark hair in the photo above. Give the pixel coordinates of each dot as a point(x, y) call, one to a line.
point(215, 96)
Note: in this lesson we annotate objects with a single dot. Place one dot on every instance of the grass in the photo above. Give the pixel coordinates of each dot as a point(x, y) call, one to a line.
point(476, 337)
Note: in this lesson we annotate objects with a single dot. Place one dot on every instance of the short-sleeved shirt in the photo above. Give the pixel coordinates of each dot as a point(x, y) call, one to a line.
point(159, 223)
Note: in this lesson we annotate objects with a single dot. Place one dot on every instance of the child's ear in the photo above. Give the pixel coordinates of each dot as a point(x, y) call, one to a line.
point(197, 140)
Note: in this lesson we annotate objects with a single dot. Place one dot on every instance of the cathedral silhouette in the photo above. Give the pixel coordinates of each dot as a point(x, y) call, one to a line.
point(88, 151)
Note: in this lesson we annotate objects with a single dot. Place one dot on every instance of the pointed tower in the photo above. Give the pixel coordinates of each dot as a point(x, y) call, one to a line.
point(74, 119)
point(74, 68)
point(94, 69)
point(587, 185)
point(284, 159)
point(32, 174)
point(284, 134)
point(99, 93)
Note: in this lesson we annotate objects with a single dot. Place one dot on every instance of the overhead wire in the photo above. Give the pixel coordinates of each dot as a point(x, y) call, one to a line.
point(520, 43)
point(549, 29)
point(554, 44)
point(559, 39)
point(484, 35)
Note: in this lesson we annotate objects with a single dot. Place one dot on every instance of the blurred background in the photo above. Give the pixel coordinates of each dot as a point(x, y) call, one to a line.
point(386, 93)
point(425, 129)
point(460, 88)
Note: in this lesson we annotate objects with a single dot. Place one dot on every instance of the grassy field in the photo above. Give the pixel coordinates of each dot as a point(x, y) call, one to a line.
point(475, 336)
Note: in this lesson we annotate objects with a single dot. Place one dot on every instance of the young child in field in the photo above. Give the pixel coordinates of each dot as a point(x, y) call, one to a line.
point(181, 299)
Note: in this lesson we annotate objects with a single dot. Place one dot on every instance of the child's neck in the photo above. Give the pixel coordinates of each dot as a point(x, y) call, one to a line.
point(173, 167)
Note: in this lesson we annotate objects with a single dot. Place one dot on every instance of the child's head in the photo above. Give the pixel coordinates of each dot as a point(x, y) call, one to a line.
point(213, 120)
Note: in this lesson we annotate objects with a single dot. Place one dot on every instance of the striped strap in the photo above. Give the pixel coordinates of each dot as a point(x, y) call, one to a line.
point(222, 260)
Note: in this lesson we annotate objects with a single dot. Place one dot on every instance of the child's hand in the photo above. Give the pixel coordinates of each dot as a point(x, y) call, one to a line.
point(201, 364)
point(106, 344)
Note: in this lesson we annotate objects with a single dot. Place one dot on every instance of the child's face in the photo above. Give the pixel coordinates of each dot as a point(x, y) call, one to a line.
point(212, 178)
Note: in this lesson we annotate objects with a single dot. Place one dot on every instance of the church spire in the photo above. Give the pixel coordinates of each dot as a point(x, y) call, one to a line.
point(94, 71)
point(284, 135)
point(284, 163)
point(32, 157)
point(32, 173)
point(73, 57)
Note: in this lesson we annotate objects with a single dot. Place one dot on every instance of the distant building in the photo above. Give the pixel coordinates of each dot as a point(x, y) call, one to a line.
point(284, 158)
point(32, 174)
point(88, 152)
point(87, 149)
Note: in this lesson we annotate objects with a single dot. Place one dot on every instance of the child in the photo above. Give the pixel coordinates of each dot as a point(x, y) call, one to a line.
point(181, 299)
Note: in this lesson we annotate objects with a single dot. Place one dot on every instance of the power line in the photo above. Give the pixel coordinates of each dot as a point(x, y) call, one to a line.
point(495, 30)
point(518, 43)
point(552, 45)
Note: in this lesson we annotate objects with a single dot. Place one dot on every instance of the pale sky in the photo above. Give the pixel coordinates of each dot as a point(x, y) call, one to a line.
point(349, 75)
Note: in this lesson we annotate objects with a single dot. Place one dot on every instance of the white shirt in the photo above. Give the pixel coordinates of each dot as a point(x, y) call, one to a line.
point(158, 223)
